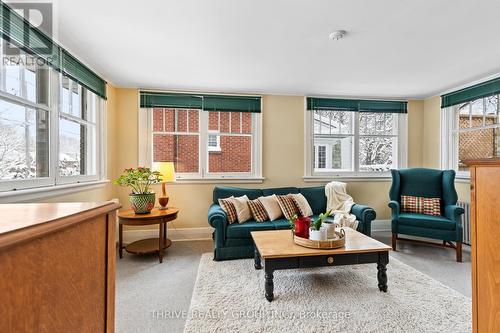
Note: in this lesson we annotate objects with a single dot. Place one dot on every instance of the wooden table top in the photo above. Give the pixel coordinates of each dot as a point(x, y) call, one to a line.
point(156, 213)
point(279, 244)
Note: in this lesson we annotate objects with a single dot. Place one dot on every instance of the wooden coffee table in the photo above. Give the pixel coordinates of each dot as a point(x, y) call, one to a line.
point(277, 250)
point(150, 245)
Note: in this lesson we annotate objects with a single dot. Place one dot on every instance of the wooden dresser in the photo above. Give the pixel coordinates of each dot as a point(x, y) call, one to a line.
point(485, 251)
point(57, 267)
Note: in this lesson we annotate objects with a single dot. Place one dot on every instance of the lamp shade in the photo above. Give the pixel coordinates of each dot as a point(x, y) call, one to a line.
point(166, 170)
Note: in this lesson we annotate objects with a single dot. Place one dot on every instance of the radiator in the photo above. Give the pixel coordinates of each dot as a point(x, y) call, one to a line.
point(465, 221)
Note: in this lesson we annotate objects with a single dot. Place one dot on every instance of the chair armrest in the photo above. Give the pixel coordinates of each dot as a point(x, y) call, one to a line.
point(453, 212)
point(217, 218)
point(366, 215)
point(395, 207)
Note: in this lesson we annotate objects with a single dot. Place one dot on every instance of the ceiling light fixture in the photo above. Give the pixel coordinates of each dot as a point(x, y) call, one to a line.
point(338, 34)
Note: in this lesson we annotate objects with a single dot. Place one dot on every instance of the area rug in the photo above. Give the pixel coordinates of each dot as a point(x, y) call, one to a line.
point(229, 297)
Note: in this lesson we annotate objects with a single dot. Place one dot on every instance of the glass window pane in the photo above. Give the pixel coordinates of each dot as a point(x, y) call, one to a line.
point(333, 154)
point(377, 123)
point(157, 120)
point(13, 76)
point(478, 144)
point(477, 107)
point(234, 155)
point(24, 142)
point(64, 95)
point(194, 121)
point(377, 153)
point(183, 150)
point(92, 102)
point(77, 148)
point(76, 100)
point(246, 122)
point(333, 122)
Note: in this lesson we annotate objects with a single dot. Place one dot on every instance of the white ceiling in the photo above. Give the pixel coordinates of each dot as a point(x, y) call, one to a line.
point(393, 48)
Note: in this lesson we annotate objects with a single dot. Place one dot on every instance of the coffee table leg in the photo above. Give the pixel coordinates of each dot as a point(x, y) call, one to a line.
point(383, 260)
point(269, 285)
point(257, 263)
point(120, 240)
point(160, 243)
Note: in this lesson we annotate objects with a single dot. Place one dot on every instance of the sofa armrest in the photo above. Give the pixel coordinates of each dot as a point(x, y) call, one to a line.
point(217, 218)
point(366, 215)
point(453, 212)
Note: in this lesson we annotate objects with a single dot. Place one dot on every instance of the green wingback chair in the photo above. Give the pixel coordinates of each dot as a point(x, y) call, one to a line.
point(427, 183)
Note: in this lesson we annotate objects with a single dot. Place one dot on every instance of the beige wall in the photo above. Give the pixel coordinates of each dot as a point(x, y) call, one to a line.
point(431, 143)
point(283, 156)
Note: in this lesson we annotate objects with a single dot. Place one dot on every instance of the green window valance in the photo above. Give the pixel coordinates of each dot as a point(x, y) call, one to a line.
point(356, 105)
point(485, 89)
point(227, 103)
point(20, 33)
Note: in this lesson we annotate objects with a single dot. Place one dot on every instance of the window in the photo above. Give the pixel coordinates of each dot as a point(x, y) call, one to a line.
point(203, 144)
point(471, 130)
point(352, 143)
point(49, 126)
point(77, 131)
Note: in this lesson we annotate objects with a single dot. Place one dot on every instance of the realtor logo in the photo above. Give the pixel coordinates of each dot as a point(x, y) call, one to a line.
point(39, 15)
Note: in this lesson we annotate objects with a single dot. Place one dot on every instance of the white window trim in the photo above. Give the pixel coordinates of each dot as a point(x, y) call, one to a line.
point(47, 186)
point(311, 176)
point(145, 131)
point(449, 141)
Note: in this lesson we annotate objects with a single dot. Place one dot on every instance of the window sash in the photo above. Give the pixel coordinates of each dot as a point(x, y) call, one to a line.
point(54, 114)
point(450, 132)
point(146, 146)
point(400, 156)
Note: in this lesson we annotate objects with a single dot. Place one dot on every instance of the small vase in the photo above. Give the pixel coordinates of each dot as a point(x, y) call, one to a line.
point(330, 229)
point(317, 235)
point(142, 203)
point(302, 225)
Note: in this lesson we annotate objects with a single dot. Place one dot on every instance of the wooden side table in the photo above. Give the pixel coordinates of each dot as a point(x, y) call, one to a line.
point(150, 245)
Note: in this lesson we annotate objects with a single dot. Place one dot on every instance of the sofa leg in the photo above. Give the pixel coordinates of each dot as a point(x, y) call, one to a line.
point(394, 240)
point(459, 251)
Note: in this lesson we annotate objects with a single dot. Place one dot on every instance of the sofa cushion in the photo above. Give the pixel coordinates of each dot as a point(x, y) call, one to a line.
point(258, 211)
point(302, 205)
point(316, 198)
point(426, 221)
point(279, 191)
point(287, 205)
point(243, 230)
point(272, 207)
point(225, 192)
point(227, 205)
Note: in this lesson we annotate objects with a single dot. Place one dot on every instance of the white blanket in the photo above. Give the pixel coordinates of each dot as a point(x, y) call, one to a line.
point(340, 203)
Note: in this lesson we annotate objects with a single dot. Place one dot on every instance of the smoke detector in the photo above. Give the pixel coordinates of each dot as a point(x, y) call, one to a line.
point(337, 34)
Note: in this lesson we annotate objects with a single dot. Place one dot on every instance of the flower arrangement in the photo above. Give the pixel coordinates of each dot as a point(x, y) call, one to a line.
point(303, 226)
point(142, 199)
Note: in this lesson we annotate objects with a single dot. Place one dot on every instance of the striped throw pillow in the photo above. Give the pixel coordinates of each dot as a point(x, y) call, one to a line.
point(258, 211)
point(287, 205)
point(227, 205)
point(421, 205)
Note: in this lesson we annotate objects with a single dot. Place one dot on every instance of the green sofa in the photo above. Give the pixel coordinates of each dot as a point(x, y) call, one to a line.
point(233, 241)
point(429, 183)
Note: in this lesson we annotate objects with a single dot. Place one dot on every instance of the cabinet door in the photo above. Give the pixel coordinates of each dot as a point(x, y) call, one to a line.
point(487, 189)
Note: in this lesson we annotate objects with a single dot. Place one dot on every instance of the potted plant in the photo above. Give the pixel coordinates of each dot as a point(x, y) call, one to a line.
point(316, 232)
point(142, 199)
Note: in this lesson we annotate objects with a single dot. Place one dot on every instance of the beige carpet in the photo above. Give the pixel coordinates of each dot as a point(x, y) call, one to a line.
point(229, 297)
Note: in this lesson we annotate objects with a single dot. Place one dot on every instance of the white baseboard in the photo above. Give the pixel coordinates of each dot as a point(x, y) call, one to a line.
point(381, 225)
point(174, 234)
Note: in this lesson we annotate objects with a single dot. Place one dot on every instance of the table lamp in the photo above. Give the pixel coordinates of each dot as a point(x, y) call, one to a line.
point(167, 172)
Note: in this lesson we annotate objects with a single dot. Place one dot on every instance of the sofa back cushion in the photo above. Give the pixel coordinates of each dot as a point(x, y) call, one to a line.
point(280, 191)
point(315, 197)
point(221, 192)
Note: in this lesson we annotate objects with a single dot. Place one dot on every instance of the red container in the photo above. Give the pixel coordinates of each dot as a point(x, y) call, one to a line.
point(302, 225)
